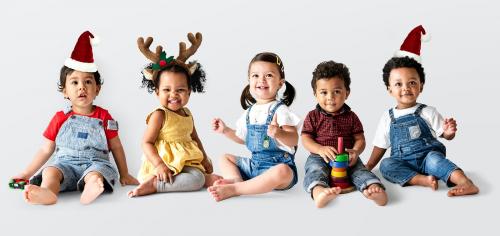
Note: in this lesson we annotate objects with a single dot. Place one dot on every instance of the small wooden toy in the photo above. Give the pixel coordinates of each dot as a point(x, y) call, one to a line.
point(339, 177)
point(18, 183)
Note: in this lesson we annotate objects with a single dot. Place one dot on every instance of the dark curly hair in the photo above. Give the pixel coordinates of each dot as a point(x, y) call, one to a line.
point(399, 62)
point(330, 69)
point(246, 99)
point(196, 81)
point(65, 71)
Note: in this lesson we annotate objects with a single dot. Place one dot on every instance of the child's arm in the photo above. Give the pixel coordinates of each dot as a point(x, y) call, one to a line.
point(220, 127)
point(119, 155)
point(449, 128)
point(286, 134)
point(41, 157)
point(162, 172)
point(326, 152)
point(377, 154)
point(357, 149)
point(206, 162)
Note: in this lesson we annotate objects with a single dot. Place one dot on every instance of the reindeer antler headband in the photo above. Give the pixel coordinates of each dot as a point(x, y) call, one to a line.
point(159, 57)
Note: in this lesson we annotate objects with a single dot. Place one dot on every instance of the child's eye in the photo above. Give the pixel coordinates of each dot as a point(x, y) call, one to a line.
point(74, 82)
point(323, 93)
point(254, 76)
point(397, 84)
point(180, 90)
point(337, 92)
point(166, 90)
point(413, 83)
point(269, 75)
point(88, 81)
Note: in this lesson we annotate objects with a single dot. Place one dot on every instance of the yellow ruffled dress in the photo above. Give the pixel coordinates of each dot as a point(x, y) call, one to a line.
point(174, 144)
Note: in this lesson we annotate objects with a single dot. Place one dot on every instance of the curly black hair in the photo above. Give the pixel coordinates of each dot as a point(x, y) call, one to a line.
point(196, 81)
point(399, 62)
point(65, 71)
point(330, 69)
point(246, 99)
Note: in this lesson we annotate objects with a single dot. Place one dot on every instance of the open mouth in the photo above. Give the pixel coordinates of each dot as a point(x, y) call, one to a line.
point(174, 101)
point(262, 87)
point(82, 96)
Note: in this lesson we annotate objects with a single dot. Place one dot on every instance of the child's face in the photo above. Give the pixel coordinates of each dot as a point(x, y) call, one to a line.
point(405, 86)
point(265, 81)
point(81, 89)
point(331, 94)
point(173, 90)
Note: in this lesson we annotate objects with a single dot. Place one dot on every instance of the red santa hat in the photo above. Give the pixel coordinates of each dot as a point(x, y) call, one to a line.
point(82, 58)
point(411, 45)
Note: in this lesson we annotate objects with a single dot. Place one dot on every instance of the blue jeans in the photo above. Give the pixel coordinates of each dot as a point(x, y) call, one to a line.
point(318, 173)
point(258, 164)
point(401, 171)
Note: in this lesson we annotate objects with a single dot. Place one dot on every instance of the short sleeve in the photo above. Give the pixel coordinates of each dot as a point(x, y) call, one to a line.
point(54, 126)
point(434, 119)
point(308, 125)
point(357, 126)
point(286, 117)
point(241, 126)
point(381, 138)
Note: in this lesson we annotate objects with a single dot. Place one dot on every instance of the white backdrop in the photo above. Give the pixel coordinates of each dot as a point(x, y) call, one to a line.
point(460, 62)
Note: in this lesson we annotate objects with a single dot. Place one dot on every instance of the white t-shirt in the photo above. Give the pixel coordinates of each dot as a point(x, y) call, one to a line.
point(258, 116)
point(431, 116)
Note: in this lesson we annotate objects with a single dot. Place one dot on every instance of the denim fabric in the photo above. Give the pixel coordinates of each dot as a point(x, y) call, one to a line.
point(265, 151)
point(318, 173)
point(414, 150)
point(81, 147)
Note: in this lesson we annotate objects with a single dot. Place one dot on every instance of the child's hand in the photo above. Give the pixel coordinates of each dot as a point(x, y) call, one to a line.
point(128, 180)
point(353, 156)
point(327, 153)
point(273, 129)
point(449, 127)
point(218, 125)
point(21, 176)
point(163, 173)
point(207, 164)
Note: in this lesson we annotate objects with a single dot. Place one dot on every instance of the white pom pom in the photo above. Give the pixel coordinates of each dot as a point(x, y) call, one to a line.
point(425, 37)
point(95, 40)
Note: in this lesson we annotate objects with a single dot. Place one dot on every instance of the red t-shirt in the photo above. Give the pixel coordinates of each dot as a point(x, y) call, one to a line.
point(325, 128)
point(99, 113)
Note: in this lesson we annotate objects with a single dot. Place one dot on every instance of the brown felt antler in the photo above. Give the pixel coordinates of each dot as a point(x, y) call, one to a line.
point(154, 57)
point(184, 53)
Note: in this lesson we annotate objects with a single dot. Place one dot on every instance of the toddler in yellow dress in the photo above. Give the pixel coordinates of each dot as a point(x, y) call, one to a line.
point(174, 159)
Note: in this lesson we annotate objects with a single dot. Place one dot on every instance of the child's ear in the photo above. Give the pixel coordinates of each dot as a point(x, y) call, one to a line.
point(98, 89)
point(389, 90)
point(422, 88)
point(157, 92)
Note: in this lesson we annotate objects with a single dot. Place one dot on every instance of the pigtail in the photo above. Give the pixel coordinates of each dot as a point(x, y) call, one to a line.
point(289, 94)
point(246, 98)
point(197, 79)
point(148, 83)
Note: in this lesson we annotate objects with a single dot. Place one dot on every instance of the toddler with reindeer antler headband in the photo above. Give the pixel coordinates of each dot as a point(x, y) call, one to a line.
point(174, 159)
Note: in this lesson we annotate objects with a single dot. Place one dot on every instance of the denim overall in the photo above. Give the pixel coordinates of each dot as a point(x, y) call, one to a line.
point(81, 147)
point(265, 151)
point(414, 150)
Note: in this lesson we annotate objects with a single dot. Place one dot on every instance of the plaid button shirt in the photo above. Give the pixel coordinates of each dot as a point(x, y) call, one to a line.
point(325, 128)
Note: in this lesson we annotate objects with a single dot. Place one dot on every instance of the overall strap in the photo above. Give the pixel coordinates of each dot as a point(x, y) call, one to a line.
point(391, 114)
point(248, 114)
point(419, 109)
point(271, 113)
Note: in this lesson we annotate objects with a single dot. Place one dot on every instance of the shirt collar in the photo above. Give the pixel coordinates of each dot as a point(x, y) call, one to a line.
point(345, 108)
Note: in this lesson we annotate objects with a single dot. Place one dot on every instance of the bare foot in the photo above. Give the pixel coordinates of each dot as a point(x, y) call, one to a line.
point(144, 188)
point(221, 192)
point(323, 195)
point(426, 181)
point(93, 188)
point(376, 193)
point(224, 182)
point(210, 179)
point(467, 188)
point(34, 194)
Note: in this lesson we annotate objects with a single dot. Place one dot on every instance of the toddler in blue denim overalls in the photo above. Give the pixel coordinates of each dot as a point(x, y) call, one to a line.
point(267, 128)
point(78, 138)
point(411, 129)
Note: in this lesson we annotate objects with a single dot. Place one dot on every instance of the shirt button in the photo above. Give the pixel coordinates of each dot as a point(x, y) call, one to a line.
point(100, 122)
